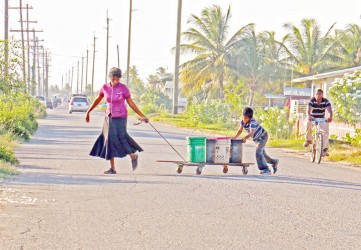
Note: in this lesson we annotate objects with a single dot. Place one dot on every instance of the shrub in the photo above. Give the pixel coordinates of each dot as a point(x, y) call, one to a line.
point(353, 140)
point(8, 155)
point(275, 121)
point(18, 113)
point(210, 112)
point(346, 96)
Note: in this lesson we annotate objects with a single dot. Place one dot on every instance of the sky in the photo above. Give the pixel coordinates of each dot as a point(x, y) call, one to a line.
point(69, 27)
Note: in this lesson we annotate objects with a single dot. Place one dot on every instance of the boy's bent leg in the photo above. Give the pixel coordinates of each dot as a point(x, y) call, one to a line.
point(269, 159)
point(260, 157)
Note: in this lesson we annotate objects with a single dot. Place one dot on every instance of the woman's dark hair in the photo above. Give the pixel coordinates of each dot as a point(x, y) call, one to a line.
point(248, 112)
point(115, 72)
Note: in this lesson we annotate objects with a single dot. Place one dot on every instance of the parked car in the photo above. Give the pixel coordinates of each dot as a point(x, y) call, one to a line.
point(78, 103)
point(41, 99)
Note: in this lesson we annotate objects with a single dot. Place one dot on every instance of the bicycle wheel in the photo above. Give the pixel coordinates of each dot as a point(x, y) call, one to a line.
point(319, 146)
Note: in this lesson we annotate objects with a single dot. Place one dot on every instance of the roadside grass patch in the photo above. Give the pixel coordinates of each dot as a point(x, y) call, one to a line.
point(350, 155)
point(7, 170)
point(291, 144)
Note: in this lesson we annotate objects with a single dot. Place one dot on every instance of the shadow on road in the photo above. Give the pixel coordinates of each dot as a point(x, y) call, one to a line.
point(316, 182)
point(76, 179)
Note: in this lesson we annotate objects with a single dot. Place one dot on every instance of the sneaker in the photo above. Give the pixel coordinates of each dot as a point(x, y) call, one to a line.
point(265, 171)
point(110, 171)
point(324, 152)
point(307, 143)
point(135, 163)
point(274, 166)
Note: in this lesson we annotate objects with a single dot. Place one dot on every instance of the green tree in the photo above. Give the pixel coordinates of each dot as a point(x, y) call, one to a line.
point(346, 96)
point(135, 83)
point(349, 45)
point(258, 60)
point(309, 51)
point(210, 43)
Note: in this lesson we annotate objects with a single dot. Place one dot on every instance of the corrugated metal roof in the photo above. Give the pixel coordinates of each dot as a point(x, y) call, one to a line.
point(326, 75)
point(288, 91)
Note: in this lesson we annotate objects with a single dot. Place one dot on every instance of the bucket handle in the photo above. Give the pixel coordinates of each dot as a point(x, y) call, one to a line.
point(197, 129)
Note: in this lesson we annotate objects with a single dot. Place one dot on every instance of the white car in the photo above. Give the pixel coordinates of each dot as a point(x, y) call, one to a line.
point(78, 103)
point(41, 99)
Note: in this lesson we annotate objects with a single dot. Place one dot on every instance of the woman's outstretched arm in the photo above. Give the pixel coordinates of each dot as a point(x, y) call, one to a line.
point(93, 106)
point(136, 110)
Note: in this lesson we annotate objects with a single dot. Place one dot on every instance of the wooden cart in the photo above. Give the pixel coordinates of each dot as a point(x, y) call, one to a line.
point(200, 166)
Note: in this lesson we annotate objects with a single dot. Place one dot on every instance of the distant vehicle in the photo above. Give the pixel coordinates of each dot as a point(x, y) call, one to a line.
point(49, 103)
point(78, 103)
point(41, 99)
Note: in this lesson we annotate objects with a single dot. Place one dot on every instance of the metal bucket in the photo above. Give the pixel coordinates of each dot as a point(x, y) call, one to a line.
point(236, 151)
point(211, 150)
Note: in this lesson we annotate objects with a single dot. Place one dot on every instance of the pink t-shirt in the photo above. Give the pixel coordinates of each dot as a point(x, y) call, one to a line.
point(115, 97)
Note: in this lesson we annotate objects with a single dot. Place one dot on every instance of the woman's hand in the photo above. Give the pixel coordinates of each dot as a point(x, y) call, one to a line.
point(144, 119)
point(87, 117)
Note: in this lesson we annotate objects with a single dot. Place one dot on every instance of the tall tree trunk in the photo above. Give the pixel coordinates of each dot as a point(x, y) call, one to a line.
point(252, 89)
point(221, 86)
point(251, 96)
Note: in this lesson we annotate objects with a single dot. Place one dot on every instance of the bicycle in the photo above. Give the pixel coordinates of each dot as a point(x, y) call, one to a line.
point(317, 141)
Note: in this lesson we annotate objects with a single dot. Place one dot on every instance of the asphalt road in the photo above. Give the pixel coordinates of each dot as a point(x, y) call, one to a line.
point(61, 199)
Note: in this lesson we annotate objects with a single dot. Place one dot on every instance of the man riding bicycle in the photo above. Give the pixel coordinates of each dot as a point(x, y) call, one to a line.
point(316, 110)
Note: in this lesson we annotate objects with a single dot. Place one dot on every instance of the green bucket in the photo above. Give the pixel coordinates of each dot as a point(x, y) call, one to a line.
point(196, 149)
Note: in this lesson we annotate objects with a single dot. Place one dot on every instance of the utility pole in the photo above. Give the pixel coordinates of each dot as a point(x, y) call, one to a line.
point(118, 55)
point(177, 57)
point(107, 50)
point(33, 69)
point(28, 43)
point(92, 90)
point(62, 82)
point(38, 61)
point(129, 38)
point(6, 38)
point(20, 8)
point(22, 39)
point(86, 70)
point(71, 82)
point(82, 75)
point(77, 79)
point(44, 81)
point(47, 73)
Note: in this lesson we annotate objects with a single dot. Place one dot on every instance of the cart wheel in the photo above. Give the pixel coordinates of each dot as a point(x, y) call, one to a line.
point(199, 170)
point(225, 169)
point(245, 170)
point(180, 169)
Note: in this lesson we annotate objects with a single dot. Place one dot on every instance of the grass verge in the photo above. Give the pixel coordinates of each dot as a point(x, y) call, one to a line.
point(183, 122)
point(291, 144)
point(8, 159)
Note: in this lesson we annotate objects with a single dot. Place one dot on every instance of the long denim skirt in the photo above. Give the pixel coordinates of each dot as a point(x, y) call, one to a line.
point(114, 140)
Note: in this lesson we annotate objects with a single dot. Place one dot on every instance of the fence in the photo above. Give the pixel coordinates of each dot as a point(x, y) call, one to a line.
point(336, 128)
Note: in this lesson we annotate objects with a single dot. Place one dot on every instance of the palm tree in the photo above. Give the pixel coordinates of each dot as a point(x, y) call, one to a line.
point(309, 52)
point(259, 59)
point(349, 42)
point(212, 49)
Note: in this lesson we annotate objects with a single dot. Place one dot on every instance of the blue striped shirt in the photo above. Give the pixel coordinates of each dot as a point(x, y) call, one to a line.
point(254, 125)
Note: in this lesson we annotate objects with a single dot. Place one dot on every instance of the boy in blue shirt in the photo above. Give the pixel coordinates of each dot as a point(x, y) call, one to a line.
point(260, 137)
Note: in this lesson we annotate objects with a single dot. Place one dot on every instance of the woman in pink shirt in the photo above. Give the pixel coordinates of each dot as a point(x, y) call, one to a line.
point(114, 140)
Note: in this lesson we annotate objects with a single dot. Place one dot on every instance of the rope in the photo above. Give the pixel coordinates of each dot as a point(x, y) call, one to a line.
point(167, 141)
